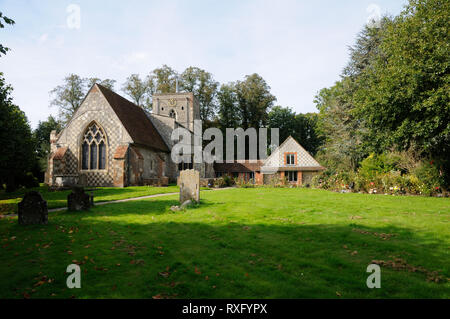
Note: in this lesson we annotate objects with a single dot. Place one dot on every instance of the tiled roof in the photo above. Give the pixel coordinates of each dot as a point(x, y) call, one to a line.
point(120, 152)
point(238, 167)
point(135, 121)
point(60, 152)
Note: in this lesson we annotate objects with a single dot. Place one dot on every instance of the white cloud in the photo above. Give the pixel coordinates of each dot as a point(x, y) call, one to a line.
point(298, 47)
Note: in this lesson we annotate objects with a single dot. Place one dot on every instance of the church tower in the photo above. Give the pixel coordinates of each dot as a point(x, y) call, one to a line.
point(183, 107)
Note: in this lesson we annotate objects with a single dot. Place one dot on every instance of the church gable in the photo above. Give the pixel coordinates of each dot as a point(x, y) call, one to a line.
point(94, 107)
point(94, 110)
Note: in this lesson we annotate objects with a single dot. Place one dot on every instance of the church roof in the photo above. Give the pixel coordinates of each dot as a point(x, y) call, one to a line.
point(136, 122)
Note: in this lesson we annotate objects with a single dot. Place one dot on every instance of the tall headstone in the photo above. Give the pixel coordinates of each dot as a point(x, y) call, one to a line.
point(33, 209)
point(189, 185)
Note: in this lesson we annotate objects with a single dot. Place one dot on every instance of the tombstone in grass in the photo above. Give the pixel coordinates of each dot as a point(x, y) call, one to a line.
point(78, 199)
point(32, 209)
point(189, 186)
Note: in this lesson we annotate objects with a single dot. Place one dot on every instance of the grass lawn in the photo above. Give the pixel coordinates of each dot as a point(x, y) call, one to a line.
point(55, 199)
point(239, 243)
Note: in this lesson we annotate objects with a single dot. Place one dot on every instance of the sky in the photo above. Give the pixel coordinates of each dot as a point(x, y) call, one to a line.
point(298, 47)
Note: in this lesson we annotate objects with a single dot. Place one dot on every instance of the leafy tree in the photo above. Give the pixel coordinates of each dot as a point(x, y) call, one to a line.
point(302, 127)
point(17, 156)
point(254, 101)
point(405, 98)
point(337, 126)
point(307, 132)
point(228, 114)
point(204, 87)
point(137, 89)
point(107, 83)
point(68, 96)
point(344, 132)
point(42, 139)
point(283, 118)
point(4, 20)
point(162, 80)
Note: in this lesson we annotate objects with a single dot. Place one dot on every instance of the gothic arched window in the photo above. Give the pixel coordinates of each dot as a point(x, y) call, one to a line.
point(93, 148)
point(172, 114)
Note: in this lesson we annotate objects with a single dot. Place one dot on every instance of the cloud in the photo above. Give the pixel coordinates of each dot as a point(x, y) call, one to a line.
point(298, 47)
point(43, 38)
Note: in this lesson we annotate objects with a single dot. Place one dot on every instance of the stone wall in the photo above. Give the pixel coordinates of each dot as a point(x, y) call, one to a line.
point(185, 106)
point(94, 108)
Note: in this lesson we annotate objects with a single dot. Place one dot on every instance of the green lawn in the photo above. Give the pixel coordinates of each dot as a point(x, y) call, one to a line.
point(239, 243)
point(55, 199)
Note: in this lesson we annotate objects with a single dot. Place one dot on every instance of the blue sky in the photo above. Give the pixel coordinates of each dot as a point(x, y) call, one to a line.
point(298, 47)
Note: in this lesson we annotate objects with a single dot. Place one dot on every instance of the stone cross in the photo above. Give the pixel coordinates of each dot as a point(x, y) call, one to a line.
point(33, 209)
point(189, 185)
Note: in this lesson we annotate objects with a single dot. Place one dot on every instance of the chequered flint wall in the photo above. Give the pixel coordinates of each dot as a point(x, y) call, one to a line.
point(94, 108)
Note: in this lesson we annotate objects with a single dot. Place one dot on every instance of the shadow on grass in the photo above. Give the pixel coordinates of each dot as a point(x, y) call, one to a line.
point(201, 254)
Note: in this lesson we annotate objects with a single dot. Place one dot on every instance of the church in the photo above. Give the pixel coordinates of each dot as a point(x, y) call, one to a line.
point(110, 141)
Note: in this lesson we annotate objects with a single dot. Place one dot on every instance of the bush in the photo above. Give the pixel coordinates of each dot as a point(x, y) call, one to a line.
point(374, 164)
point(429, 175)
point(240, 182)
point(29, 181)
point(426, 180)
point(224, 181)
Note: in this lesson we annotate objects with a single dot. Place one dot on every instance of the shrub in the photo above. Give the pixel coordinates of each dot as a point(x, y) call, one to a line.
point(374, 164)
point(240, 182)
point(224, 181)
point(29, 181)
point(228, 181)
point(429, 175)
point(219, 182)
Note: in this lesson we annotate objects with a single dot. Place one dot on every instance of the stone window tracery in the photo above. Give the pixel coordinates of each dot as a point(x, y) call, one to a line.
point(93, 148)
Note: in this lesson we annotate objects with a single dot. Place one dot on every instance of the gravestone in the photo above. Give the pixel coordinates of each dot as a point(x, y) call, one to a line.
point(33, 209)
point(82, 180)
point(189, 185)
point(78, 199)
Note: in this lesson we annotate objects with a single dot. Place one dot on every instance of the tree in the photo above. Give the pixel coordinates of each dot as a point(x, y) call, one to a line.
point(228, 114)
point(283, 118)
point(41, 137)
point(137, 89)
point(4, 20)
point(162, 80)
point(68, 96)
point(204, 87)
point(107, 83)
point(254, 101)
point(17, 156)
point(343, 131)
point(307, 132)
point(406, 93)
point(302, 127)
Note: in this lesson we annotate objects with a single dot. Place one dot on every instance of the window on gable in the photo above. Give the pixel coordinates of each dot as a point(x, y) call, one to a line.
point(290, 159)
point(93, 148)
